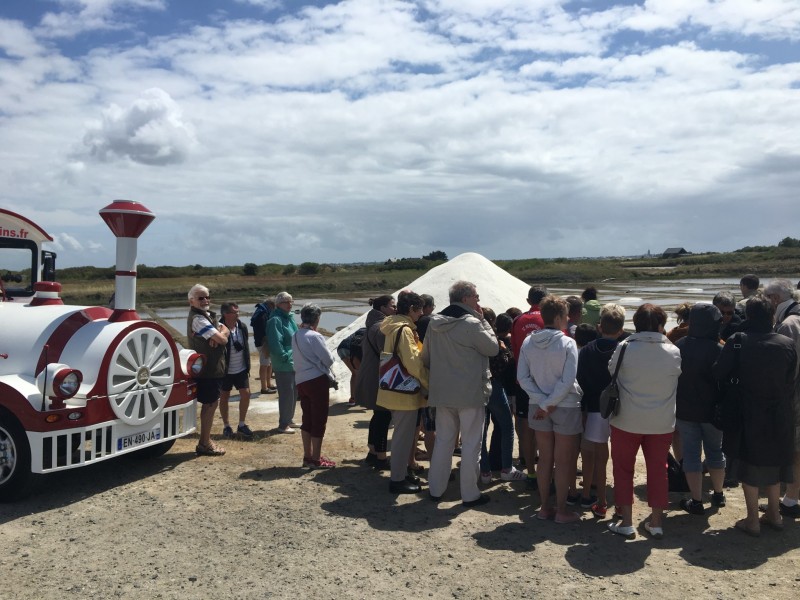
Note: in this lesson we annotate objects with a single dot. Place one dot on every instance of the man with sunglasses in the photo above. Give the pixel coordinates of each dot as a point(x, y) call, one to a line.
point(208, 338)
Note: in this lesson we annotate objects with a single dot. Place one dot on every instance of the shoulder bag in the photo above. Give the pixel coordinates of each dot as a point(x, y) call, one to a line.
point(609, 397)
point(393, 376)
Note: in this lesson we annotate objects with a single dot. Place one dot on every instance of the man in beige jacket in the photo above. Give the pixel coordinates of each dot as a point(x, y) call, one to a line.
point(457, 347)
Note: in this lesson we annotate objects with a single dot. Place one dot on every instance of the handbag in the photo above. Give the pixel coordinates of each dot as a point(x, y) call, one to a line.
point(609, 397)
point(727, 414)
point(393, 376)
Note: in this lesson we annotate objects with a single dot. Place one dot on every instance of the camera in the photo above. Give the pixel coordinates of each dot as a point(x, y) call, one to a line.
point(238, 345)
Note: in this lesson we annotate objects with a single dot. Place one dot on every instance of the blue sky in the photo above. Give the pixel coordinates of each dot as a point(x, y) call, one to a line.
point(268, 131)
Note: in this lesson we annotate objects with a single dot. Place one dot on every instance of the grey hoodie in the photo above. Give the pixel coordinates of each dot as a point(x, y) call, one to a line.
point(546, 369)
point(457, 351)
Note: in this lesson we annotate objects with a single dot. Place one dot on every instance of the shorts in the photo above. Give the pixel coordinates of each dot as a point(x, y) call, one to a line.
point(596, 429)
point(208, 390)
point(521, 403)
point(263, 355)
point(240, 381)
point(565, 421)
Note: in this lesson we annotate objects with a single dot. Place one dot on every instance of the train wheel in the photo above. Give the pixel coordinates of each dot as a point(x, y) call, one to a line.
point(15, 460)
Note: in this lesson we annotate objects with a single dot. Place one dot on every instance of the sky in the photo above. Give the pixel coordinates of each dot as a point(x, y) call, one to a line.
point(361, 130)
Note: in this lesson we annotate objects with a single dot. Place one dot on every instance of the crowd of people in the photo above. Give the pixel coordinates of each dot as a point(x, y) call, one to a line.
point(719, 391)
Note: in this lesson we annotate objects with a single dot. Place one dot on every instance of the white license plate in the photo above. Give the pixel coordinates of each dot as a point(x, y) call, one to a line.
point(137, 439)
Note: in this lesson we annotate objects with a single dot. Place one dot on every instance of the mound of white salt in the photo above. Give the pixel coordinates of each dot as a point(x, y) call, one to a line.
point(497, 289)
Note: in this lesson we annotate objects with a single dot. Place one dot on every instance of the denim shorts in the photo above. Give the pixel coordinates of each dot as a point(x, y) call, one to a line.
point(695, 436)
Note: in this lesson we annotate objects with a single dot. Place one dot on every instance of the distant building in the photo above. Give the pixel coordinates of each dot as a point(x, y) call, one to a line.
point(674, 252)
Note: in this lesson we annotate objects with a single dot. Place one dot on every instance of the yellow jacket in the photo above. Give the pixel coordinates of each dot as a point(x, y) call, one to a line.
point(409, 350)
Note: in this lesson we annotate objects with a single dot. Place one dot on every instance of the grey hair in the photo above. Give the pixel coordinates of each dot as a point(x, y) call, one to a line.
point(309, 314)
point(427, 300)
point(781, 287)
point(283, 297)
point(723, 299)
point(197, 288)
point(460, 290)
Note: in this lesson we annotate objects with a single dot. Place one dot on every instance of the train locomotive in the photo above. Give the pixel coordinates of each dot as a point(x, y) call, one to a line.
point(82, 384)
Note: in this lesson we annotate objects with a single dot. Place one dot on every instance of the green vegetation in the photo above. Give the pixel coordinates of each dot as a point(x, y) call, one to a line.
point(165, 286)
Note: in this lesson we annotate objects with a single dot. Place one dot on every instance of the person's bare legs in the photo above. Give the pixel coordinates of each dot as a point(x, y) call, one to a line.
point(244, 404)
point(544, 468)
point(223, 407)
point(751, 521)
point(312, 446)
point(695, 481)
point(717, 479)
point(206, 421)
point(600, 466)
point(656, 517)
point(565, 458)
point(588, 467)
point(529, 446)
point(264, 375)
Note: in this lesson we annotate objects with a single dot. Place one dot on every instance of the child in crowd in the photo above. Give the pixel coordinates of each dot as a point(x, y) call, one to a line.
point(546, 370)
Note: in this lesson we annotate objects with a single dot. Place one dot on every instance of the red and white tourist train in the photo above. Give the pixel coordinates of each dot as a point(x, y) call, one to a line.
point(82, 384)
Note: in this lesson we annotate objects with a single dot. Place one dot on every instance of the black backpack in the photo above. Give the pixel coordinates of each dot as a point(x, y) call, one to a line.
point(353, 342)
point(259, 324)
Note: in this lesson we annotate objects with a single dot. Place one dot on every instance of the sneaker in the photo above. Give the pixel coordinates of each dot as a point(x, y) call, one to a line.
point(244, 431)
point(486, 478)
point(587, 503)
point(693, 507)
point(718, 499)
point(792, 512)
point(293, 424)
point(351, 402)
point(573, 500)
point(272, 390)
point(512, 475)
point(227, 431)
point(370, 459)
point(286, 429)
point(325, 463)
point(599, 510)
point(626, 531)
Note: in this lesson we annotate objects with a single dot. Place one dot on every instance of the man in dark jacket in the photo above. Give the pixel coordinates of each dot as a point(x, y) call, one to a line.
point(696, 399)
point(765, 364)
point(787, 322)
point(237, 374)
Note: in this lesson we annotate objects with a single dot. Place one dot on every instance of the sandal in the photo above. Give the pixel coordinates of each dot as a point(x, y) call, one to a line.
point(546, 514)
point(626, 531)
point(210, 450)
point(774, 525)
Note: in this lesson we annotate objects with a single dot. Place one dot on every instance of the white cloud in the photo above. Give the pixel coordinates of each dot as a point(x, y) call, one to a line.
point(80, 16)
point(151, 131)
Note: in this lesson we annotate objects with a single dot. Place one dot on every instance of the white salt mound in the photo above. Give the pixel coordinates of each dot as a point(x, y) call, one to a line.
point(497, 289)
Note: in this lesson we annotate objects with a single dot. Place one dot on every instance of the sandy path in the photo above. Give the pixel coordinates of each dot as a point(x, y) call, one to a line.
point(252, 524)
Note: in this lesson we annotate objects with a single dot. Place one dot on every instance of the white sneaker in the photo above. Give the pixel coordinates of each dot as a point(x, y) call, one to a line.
point(286, 429)
point(486, 478)
point(512, 475)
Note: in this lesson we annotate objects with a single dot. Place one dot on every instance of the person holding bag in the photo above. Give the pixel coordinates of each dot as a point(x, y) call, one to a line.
point(647, 380)
point(400, 335)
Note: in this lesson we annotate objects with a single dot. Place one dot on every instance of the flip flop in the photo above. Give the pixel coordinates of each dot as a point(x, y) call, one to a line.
point(546, 514)
point(771, 524)
point(741, 526)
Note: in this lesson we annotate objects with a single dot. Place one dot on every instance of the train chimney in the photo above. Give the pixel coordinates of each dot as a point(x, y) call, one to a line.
point(127, 220)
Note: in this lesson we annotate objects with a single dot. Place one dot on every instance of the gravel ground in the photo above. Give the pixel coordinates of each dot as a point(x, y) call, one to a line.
point(252, 524)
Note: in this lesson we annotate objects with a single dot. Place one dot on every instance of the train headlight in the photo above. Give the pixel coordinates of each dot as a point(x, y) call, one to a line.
point(66, 383)
point(192, 363)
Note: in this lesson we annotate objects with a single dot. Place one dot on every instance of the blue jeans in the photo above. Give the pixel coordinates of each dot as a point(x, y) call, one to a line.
point(697, 435)
point(500, 410)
